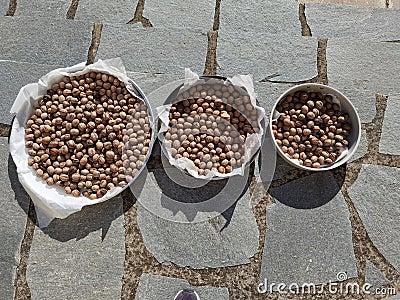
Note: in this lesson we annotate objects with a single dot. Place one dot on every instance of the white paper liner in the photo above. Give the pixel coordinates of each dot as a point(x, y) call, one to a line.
point(51, 201)
point(253, 141)
point(345, 150)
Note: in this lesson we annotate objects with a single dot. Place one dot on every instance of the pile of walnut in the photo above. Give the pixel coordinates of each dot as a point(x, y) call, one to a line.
point(209, 125)
point(311, 128)
point(88, 134)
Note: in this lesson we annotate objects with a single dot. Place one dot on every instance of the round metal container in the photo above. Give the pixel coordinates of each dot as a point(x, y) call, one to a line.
point(346, 106)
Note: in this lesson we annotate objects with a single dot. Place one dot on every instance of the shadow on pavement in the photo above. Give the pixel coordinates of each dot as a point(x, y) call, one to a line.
point(310, 190)
point(197, 195)
point(78, 225)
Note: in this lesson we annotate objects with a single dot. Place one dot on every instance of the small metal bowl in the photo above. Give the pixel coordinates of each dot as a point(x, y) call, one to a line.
point(346, 106)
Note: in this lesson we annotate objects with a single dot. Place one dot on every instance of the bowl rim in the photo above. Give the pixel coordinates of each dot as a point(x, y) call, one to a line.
point(355, 122)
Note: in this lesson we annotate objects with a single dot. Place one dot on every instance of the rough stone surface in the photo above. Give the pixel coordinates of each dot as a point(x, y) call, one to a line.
point(362, 100)
point(373, 3)
point(13, 76)
point(14, 202)
point(267, 55)
point(3, 7)
point(389, 143)
point(44, 41)
point(260, 19)
point(375, 195)
point(80, 255)
point(121, 11)
point(156, 87)
point(341, 21)
point(160, 287)
point(362, 147)
point(43, 8)
point(155, 50)
point(374, 277)
point(180, 14)
point(379, 74)
point(268, 93)
point(297, 246)
point(208, 239)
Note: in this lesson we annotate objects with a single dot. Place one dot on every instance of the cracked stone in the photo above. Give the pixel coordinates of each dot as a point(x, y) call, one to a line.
point(341, 21)
point(81, 255)
point(260, 19)
point(389, 143)
point(311, 244)
point(13, 76)
point(121, 11)
point(196, 234)
point(379, 75)
point(43, 8)
point(161, 50)
point(49, 46)
point(362, 147)
point(180, 14)
point(14, 206)
point(159, 287)
point(263, 56)
point(374, 277)
point(375, 194)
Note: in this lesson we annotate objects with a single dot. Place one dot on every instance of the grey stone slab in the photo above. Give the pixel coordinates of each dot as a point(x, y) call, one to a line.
point(389, 143)
point(360, 69)
point(180, 14)
point(284, 59)
point(156, 87)
point(44, 41)
point(204, 238)
point(3, 7)
point(260, 19)
point(81, 256)
point(155, 50)
point(374, 277)
point(375, 195)
point(312, 244)
point(373, 3)
point(13, 76)
point(43, 8)
point(159, 287)
point(341, 21)
point(268, 93)
point(362, 147)
point(363, 100)
point(120, 11)
point(12, 223)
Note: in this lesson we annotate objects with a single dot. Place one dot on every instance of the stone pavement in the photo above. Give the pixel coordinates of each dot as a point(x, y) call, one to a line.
point(302, 228)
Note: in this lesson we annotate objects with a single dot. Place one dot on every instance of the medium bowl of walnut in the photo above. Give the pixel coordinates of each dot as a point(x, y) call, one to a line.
point(315, 127)
point(211, 129)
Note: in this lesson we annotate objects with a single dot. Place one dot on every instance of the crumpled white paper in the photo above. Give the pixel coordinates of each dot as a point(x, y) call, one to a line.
point(345, 150)
point(253, 141)
point(51, 201)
